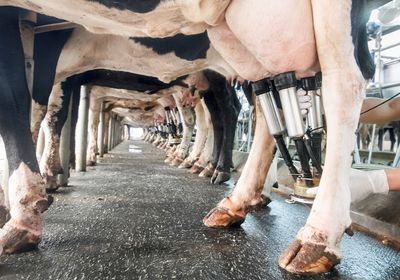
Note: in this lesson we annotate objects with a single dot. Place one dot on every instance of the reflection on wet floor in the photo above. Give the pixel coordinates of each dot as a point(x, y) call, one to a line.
point(134, 149)
point(134, 217)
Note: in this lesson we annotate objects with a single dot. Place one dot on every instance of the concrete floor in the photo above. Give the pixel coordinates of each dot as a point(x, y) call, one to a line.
point(134, 217)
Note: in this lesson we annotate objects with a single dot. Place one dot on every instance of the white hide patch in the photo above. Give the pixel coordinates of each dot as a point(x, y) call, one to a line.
point(26, 188)
point(121, 54)
point(167, 19)
point(37, 115)
point(50, 160)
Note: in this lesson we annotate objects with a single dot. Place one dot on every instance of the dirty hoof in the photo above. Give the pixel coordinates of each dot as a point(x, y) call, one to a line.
point(220, 217)
point(91, 163)
point(208, 171)
point(15, 239)
point(51, 184)
point(223, 216)
point(196, 169)
point(187, 163)
point(176, 161)
point(260, 203)
point(220, 177)
point(44, 203)
point(309, 257)
point(4, 215)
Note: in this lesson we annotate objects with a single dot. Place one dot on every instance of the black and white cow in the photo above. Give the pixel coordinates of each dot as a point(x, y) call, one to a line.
point(332, 40)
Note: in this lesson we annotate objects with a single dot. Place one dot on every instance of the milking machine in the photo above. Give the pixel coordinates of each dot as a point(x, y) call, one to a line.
point(264, 91)
point(306, 133)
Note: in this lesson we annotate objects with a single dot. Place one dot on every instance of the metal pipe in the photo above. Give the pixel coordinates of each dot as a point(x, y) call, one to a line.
point(304, 160)
point(392, 85)
point(264, 93)
point(390, 46)
point(286, 84)
point(280, 143)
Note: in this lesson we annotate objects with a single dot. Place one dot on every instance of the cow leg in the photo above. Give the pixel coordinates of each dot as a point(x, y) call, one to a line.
point(37, 116)
point(206, 153)
point(381, 133)
point(188, 121)
point(27, 196)
point(188, 127)
point(229, 107)
point(57, 113)
point(201, 137)
point(76, 93)
point(247, 193)
point(218, 129)
point(94, 119)
point(316, 248)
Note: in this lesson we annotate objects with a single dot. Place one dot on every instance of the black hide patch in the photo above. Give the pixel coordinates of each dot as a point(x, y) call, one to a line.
point(47, 50)
point(188, 47)
point(359, 16)
point(137, 6)
point(125, 80)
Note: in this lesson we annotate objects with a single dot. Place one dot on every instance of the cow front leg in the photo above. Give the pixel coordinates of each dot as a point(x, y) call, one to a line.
point(94, 119)
point(316, 248)
point(52, 124)
point(247, 193)
point(26, 190)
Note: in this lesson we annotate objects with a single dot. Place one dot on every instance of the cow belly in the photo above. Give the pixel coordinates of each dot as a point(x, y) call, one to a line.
point(279, 34)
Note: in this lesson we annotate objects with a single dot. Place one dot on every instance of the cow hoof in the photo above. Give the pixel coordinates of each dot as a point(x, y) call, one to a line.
point(168, 160)
point(223, 216)
point(208, 171)
point(4, 215)
point(91, 163)
point(43, 204)
point(196, 169)
point(51, 184)
point(220, 177)
point(176, 161)
point(16, 240)
point(309, 257)
point(260, 203)
point(187, 163)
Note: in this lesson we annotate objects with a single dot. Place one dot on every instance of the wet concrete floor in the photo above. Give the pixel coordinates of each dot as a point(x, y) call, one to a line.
point(134, 217)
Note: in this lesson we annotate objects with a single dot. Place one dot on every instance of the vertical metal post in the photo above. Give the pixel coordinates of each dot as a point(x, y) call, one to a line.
point(82, 130)
point(396, 158)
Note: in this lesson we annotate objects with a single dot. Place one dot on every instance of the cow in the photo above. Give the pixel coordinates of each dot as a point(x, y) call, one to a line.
point(332, 41)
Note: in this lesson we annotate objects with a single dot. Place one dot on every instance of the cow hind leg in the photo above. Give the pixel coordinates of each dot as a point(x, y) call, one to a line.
point(230, 108)
point(26, 189)
point(218, 129)
point(248, 190)
point(316, 248)
point(57, 112)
